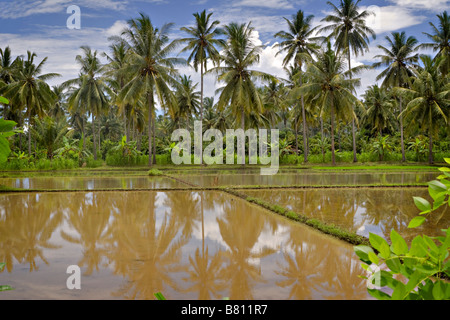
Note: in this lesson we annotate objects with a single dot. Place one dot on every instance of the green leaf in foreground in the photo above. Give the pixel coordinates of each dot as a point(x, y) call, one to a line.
point(416, 222)
point(4, 100)
point(5, 288)
point(422, 204)
point(159, 296)
point(399, 246)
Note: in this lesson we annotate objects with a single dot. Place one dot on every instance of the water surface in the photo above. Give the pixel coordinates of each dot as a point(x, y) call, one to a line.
point(90, 182)
point(302, 178)
point(187, 245)
point(361, 210)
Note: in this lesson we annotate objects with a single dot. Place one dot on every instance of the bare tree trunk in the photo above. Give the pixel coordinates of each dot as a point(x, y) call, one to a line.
point(94, 137)
point(154, 140)
point(243, 127)
point(430, 148)
point(401, 132)
point(355, 159)
point(29, 135)
point(150, 121)
point(321, 136)
point(332, 135)
point(83, 129)
point(305, 147)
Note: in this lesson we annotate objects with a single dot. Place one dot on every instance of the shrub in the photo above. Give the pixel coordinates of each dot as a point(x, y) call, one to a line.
point(423, 264)
point(155, 172)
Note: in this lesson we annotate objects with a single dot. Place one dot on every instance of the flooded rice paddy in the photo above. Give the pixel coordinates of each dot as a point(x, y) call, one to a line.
point(310, 179)
point(360, 210)
point(196, 244)
point(189, 245)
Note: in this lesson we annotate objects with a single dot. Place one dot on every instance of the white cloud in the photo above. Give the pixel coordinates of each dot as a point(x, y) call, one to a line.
point(432, 5)
point(273, 4)
point(392, 18)
point(25, 8)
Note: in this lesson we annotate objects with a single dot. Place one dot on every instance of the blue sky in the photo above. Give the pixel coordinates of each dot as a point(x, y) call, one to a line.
point(40, 25)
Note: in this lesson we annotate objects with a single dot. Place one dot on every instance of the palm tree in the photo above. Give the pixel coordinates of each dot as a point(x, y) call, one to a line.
point(91, 94)
point(202, 44)
point(379, 109)
point(151, 70)
point(30, 90)
point(398, 59)
point(440, 41)
point(240, 90)
point(117, 61)
point(348, 28)
point(328, 87)
point(299, 45)
point(188, 99)
point(430, 95)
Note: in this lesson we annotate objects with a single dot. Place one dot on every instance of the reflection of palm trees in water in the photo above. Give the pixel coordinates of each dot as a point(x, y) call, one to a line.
point(315, 267)
point(241, 228)
point(302, 271)
point(206, 274)
point(26, 229)
point(144, 252)
point(90, 219)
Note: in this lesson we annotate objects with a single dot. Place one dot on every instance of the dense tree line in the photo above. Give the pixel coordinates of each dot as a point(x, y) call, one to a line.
point(316, 100)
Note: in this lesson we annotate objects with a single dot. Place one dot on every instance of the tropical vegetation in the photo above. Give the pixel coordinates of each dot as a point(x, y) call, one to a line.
point(122, 110)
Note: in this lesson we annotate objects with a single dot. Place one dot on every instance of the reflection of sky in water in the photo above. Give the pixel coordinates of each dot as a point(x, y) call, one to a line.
point(92, 216)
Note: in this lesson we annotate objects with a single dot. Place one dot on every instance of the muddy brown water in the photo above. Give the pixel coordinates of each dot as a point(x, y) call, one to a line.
point(187, 245)
point(311, 179)
point(361, 210)
point(90, 182)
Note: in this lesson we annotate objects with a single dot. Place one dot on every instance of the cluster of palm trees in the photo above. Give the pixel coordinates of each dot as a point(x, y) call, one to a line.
point(141, 75)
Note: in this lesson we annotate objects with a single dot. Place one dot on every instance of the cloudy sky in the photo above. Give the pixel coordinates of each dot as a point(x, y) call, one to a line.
point(41, 25)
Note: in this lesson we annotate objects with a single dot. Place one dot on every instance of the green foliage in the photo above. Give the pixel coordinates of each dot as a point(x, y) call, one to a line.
point(381, 146)
point(159, 296)
point(424, 263)
point(6, 130)
point(155, 172)
point(2, 265)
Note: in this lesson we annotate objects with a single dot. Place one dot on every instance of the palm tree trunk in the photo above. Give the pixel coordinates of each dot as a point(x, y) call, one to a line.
point(150, 121)
point(201, 93)
point(154, 140)
point(243, 129)
point(305, 147)
point(401, 132)
point(94, 137)
point(430, 147)
point(355, 159)
point(29, 135)
point(321, 136)
point(126, 124)
point(296, 138)
point(83, 129)
point(333, 159)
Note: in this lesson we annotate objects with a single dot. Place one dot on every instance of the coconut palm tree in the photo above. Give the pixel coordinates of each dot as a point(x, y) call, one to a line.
point(398, 60)
point(150, 68)
point(430, 96)
point(116, 62)
point(89, 93)
point(379, 106)
point(202, 44)
point(330, 89)
point(299, 44)
point(30, 90)
point(440, 41)
point(188, 99)
point(349, 29)
point(240, 90)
